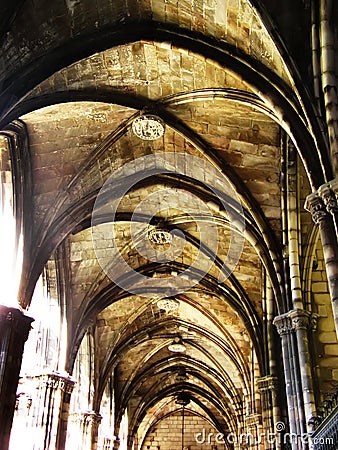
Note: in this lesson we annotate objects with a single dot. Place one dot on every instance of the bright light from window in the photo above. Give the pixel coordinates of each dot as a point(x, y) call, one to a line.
point(10, 244)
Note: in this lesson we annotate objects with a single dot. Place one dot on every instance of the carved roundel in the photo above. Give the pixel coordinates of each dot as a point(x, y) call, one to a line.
point(148, 127)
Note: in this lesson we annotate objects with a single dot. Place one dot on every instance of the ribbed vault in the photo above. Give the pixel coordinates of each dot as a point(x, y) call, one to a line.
point(228, 98)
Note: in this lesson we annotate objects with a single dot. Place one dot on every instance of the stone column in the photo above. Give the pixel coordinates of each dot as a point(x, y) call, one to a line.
point(84, 431)
point(293, 328)
point(14, 330)
point(301, 322)
point(116, 445)
point(270, 410)
point(52, 389)
point(316, 205)
point(69, 384)
point(253, 438)
point(293, 390)
point(95, 420)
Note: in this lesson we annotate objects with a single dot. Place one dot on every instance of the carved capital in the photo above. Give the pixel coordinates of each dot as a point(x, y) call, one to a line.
point(314, 321)
point(268, 383)
point(253, 420)
point(92, 418)
point(313, 423)
point(316, 206)
point(296, 319)
point(57, 381)
point(329, 198)
point(300, 319)
point(88, 418)
point(283, 324)
point(334, 185)
point(116, 443)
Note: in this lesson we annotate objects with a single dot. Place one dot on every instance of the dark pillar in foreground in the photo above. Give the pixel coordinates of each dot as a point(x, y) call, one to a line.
point(14, 329)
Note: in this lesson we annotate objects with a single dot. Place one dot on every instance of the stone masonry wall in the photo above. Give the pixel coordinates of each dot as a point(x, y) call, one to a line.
point(167, 434)
point(326, 363)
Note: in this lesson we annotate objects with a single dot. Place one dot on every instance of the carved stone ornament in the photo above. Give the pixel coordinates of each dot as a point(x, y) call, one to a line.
point(168, 304)
point(148, 127)
point(253, 420)
point(316, 206)
point(329, 198)
point(91, 417)
point(300, 319)
point(58, 381)
point(159, 236)
point(283, 324)
point(314, 321)
point(268, 383)
point(334, 185)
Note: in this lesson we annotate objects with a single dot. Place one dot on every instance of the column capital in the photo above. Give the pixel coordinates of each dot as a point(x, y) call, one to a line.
point(267, 383)
point(300, 319)
point(116, 443)
point(92, 417)
point(331, 185)
point(14, 318)
point(56, 380)
point(316, 206)
point(253, 420)
point(314, 321)
point(334, 185)
point(328, 195)
point(86, 417)
point(283, 324)
point(324, 199)
point(296, 319)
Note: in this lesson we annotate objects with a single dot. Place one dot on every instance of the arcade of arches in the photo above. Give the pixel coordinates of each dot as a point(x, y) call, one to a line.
point(169, 255)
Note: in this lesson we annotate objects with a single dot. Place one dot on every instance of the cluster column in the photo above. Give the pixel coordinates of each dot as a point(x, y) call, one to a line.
point(14, 330)
point(293, 328)
point(296, 419)
point(84, 431)
point(253, 438)
point(50, 409)
point(268, 386)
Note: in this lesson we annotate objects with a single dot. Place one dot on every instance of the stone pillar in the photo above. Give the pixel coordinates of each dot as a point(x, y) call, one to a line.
point(52, 389)
point(84, 431)
point(301, 323)
point(116, 445)
point(270, 410)
point(322, 217)
point(64, 413)
point(293, 389)
point(293, 328)
point(253, 438)
point(14, 330)
point(95, 420)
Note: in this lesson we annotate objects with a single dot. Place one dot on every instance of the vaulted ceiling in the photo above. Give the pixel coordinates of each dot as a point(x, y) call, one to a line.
point(210, 186)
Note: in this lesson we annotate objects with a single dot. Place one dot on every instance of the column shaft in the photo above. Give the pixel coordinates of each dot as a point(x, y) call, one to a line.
point(64, 414)
point(14, 329)
point(301, 321)
point(293, 390)
point(83, 431)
